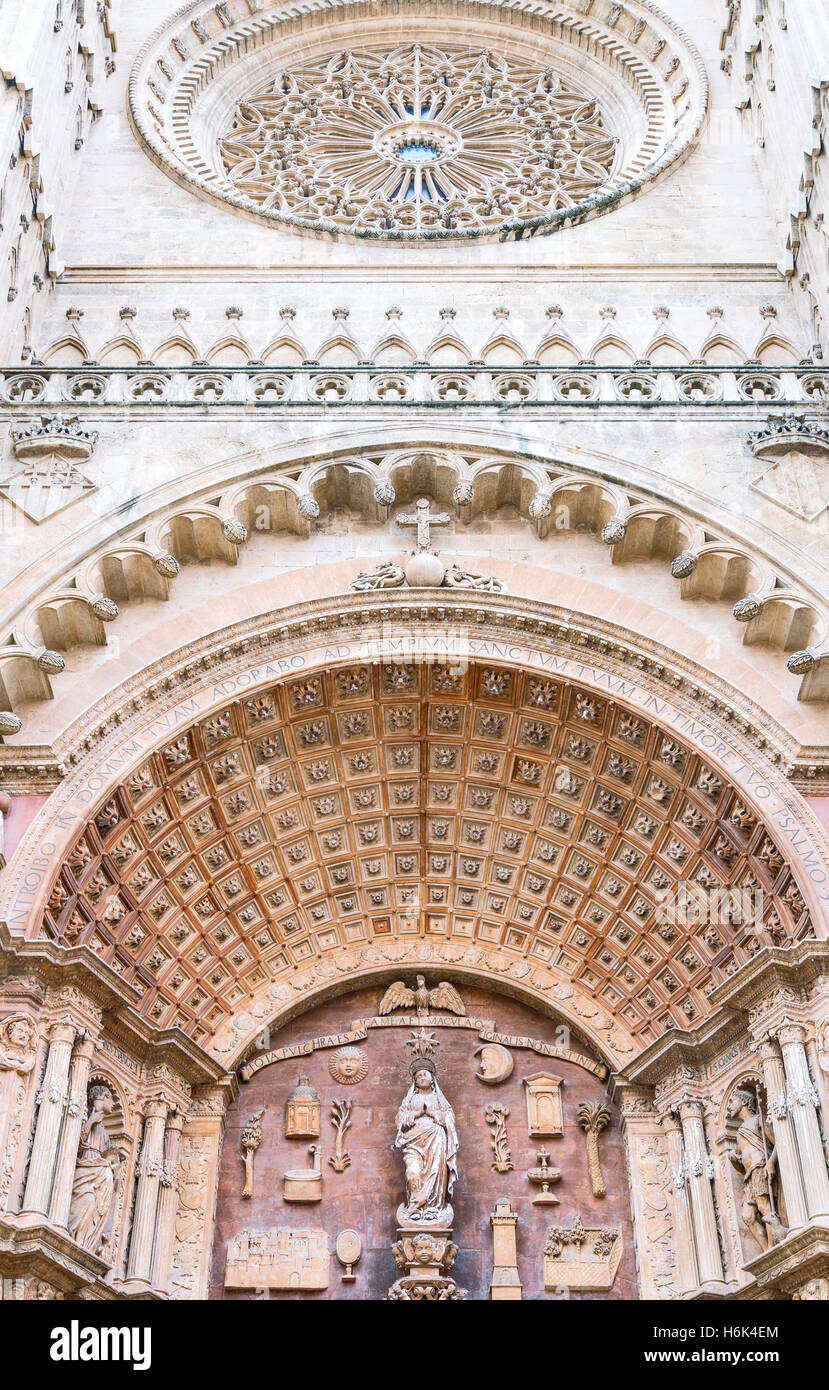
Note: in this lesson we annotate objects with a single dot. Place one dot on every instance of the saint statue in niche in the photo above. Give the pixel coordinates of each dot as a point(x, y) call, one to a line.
point(428, 1139)
point(93, 1186)
point(754, 1156)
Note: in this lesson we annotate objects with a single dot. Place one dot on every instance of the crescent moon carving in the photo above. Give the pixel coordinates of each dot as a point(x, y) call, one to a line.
point(496, 1064)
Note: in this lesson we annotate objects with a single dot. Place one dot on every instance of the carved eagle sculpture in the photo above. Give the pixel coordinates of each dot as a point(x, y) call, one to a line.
point(443, 996)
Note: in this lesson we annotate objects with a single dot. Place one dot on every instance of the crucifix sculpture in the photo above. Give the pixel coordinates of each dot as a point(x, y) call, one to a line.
point(423, 518)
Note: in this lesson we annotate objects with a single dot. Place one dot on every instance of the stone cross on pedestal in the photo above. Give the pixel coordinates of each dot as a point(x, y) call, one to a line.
point(423, 518)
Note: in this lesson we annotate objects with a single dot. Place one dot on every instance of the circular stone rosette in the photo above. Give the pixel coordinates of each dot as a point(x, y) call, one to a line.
point(365, 120)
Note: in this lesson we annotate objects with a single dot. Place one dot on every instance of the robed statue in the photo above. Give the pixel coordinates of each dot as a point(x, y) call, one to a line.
point(428, 1140)
point(754, 1156)
point(93, 1186)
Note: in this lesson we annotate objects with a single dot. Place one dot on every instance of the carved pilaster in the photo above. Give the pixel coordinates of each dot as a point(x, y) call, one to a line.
point(788, 1163)
point(150, 1169)
point(70, 1134)
point(51, 1103)
point(167, 1203)
point(687, 1274)
point(699, 1171)
point(802, 1102)
point(652, 1205)
point(198, 1175)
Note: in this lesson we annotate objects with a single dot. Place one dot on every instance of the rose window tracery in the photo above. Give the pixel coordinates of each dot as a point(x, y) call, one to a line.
point(417, 138)
point(459, 120)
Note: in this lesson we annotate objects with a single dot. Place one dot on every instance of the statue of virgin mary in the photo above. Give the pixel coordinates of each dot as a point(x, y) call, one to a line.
point(427, 1136)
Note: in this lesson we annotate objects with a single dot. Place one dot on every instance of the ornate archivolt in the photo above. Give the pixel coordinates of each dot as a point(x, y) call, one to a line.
point(383, 123)
point(770, 606)
point(235, 847)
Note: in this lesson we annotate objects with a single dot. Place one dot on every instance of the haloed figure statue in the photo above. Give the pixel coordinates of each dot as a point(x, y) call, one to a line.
point(427, 1136)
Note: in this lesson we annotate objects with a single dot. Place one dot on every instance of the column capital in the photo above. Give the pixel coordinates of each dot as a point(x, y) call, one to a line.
point(691, 1108)
point(62, 1030)
point(156, 1109)
point(85, 1045)
point(175, 1121)
point(789, 1032)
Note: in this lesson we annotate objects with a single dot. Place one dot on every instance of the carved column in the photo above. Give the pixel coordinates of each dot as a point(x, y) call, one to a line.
point(698, 1171)
point(70, 1135)
point(802, 1104)
point(52, 1100)
point(687, 1275)
point(791, 1179)
point(150, 1167)
point(167, 1203)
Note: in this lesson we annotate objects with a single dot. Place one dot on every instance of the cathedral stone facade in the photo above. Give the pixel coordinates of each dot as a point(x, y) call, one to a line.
point(414, 650)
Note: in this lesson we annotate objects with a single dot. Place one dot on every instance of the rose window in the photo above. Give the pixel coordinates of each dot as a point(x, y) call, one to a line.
point(417, 138)
point(458, 120)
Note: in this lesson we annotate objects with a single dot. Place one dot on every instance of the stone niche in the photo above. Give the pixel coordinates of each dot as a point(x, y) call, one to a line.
point(364, 1195)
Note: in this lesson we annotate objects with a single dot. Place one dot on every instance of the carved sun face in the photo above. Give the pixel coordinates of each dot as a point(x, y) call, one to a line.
point(417, 139)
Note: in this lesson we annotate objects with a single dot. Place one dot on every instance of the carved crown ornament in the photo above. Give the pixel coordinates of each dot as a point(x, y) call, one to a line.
point(530, 819)
point(775, 605)
point(294, 122)
point(795, 450)
point(49, 449)
point(790, 431)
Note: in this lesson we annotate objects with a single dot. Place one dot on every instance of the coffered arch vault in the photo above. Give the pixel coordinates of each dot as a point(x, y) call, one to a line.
point(343, 808)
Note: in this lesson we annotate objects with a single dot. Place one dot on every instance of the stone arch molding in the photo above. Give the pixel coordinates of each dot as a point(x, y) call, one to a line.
point(769, 604)
point(210, 63)
point(219, 783)
point(545, 991)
